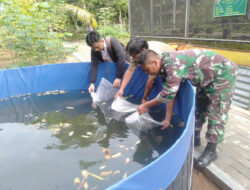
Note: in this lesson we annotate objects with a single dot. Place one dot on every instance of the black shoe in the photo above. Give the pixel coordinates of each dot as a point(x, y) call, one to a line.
point(197, 139)
point(207, 156)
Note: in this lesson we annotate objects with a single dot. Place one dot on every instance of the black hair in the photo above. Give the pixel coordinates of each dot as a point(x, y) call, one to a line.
point(144, 56)
point(92, 37)
point(136, 46)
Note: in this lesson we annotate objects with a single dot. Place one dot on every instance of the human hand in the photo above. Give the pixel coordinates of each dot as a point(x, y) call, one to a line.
point(165, 124)
point(143, 108)
point(119, 93)
point(144, 100)
point(93, 106)
point(117, 83)
point(91, 88)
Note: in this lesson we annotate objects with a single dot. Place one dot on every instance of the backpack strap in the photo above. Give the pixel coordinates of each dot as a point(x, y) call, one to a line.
point(108, 41)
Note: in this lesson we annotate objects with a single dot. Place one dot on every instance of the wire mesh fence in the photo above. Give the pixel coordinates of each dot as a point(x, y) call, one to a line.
point(187, 19)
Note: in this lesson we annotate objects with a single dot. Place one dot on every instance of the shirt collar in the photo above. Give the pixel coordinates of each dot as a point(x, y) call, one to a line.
point(105, 44)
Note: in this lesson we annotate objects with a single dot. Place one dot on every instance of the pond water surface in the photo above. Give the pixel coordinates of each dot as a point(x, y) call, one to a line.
point(48, 140)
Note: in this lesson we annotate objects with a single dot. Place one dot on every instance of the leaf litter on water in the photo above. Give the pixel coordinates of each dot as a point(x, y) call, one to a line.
point(85, 174)
point(85, 136)
point(116, 172)
point(96, 176)
point(102, 167)
point(125, 175)
point(85, 185)
point(107, 153)
point(127, 160)
point(89, 133)
point(77, 181)
point(106, 173)
point(117, 155)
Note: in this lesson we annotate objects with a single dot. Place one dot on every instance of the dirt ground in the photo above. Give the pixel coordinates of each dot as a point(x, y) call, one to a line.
point(200, 182)
point(6, 58)
point(81, 54)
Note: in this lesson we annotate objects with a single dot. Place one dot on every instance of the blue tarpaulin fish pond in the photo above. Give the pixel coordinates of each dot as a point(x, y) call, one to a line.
point(158, 174)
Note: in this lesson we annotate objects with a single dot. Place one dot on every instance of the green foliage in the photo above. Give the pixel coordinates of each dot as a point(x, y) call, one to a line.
point(36, 29)
point(112, 17)
point(104, 17)
point(80, 15)
point(32, 29)
point(117, 9)
point(116, 31)
point(61, 22)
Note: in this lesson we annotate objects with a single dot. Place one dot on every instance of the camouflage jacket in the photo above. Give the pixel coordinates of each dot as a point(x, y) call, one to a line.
point(200, 66)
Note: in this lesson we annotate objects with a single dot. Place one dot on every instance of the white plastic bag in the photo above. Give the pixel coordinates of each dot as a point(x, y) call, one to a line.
point(105, 108)
point(105, 91)
point(142, 122)
point(110, 114)
point(123, 106)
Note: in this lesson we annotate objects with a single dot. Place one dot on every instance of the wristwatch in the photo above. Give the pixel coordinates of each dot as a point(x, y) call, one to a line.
point(144, 98)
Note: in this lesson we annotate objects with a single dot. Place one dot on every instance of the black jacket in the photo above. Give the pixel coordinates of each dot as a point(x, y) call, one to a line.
point(117, 54)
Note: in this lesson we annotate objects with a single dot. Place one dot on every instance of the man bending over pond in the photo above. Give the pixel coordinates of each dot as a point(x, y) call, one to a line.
point(214, 78)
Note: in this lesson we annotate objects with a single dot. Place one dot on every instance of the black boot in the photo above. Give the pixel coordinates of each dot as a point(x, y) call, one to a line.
point(207, 156)
point(197, 138)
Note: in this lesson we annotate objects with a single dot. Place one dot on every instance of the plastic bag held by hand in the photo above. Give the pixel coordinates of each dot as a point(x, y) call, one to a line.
point(104, 92)
point(123, 106)
point(142, 122)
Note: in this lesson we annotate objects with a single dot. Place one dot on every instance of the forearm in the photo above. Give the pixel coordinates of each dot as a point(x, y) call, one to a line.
point(169, 109)
point(126, 78)
point(152, 103)
point(148, 88)
point(143, 108)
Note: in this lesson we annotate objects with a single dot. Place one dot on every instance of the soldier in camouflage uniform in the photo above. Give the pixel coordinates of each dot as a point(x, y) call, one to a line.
point(214, 78)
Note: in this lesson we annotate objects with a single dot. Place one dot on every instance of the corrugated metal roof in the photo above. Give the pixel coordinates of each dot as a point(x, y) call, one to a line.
point(241, 96)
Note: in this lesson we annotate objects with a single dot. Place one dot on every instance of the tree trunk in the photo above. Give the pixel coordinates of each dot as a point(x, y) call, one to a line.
point(104, 26)
point(120, 15)
point(84, 6)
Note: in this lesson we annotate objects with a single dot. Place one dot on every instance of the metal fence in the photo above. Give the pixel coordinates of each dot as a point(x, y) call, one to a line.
point(186, 19)
point(194, 20)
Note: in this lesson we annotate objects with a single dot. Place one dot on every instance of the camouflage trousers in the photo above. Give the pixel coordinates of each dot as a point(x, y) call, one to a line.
point(213, 102)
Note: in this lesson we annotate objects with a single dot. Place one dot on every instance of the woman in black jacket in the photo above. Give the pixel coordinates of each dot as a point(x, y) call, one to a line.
point(105, 50)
